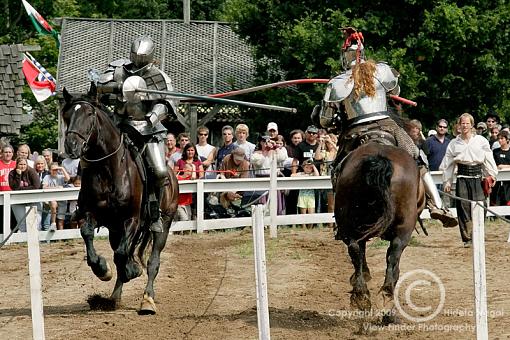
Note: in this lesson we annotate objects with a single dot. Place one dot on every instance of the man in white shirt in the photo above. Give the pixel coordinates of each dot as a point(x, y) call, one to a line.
point(473, 157)
point(204, 149)
point(57, 178)
point(71, 166)
point(242, 133)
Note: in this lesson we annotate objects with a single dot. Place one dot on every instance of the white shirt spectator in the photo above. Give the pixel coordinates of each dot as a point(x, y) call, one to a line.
point(71, 166)
point(474, 151)
point(248, 147)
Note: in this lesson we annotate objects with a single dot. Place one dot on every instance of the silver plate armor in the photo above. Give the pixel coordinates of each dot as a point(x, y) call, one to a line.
point(340, 89)
point(118, 71)
point(143, 112)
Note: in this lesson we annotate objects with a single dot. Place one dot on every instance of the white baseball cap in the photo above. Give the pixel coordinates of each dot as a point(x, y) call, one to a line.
point(272, 126)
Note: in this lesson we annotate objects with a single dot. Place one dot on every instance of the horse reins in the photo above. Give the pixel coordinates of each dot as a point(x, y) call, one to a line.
point(86, 140)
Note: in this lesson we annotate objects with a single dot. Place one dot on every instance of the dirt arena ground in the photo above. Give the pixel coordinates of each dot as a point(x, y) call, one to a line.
point(206, 289)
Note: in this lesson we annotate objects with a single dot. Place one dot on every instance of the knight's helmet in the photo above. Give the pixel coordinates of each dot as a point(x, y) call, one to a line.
point(353, 51)
point(142, 51)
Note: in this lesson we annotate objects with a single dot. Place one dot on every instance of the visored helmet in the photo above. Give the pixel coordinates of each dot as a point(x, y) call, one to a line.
point(353, 51)
point(142, 51)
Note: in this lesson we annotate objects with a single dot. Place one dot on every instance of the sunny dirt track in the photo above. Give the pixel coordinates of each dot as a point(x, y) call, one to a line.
point(206, 289)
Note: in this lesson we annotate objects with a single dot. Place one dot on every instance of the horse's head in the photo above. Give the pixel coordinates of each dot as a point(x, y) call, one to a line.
point(80, 117)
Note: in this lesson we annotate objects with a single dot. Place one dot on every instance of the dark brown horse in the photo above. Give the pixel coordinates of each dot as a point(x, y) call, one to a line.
point(111, 196)
point(378, 194)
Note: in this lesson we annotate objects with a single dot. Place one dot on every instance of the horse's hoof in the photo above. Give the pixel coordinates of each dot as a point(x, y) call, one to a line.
point(361, 302)
point(148, 307)
point(390, 318)
point(107, 275)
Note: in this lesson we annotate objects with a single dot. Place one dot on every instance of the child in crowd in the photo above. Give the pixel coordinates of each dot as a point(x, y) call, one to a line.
point(57, 178)
point(184, 202)
point(306, 197)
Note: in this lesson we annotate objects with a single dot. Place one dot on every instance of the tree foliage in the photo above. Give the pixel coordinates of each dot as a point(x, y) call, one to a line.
point(17, 28)
point(452, 56)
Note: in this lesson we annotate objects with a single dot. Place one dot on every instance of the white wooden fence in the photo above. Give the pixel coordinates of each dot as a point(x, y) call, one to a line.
point(201, 187)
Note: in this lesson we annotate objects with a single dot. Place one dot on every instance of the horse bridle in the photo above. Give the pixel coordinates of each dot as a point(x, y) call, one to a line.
point(95, 124)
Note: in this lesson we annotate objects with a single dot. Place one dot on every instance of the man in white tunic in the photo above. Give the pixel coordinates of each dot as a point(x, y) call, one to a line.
point(473, 157)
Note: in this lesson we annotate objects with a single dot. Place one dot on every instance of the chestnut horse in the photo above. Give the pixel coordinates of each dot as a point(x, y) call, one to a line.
point(111, 196)
point(378, 194)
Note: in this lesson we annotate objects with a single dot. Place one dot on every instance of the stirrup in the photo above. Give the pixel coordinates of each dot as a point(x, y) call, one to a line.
point(444, 216)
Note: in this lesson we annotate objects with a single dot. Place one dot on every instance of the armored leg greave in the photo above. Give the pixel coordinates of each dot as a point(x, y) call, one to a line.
point(431, 190)
point(435, 204)
point(155, 155)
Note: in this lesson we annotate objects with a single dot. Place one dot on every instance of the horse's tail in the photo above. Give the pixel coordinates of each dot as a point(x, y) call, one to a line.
point(145, 242)
point(378, 172)
point(137, 241)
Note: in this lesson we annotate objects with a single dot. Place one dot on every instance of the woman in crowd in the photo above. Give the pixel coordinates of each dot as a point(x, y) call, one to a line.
point(41, 168)
point(189, 156)
point(23, 177)
point(473, 157)
point(296, 137)
point(326, 154)
point(280, 145)
point(261, 163)
point(501, 193)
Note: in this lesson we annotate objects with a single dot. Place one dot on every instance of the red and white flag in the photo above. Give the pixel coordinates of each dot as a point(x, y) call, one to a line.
point(40, 81)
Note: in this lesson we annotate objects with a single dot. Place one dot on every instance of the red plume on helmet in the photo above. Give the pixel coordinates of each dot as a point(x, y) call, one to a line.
point(353, 37)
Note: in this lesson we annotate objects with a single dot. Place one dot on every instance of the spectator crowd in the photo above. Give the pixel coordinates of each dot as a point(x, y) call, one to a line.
point(300, 153)
point(27, 171)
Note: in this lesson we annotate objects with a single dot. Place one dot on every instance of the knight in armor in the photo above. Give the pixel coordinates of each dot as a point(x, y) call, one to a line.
point(139, 114)
point(355, 102)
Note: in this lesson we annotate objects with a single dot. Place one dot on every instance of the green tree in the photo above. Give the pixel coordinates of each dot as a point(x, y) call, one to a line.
point(17, 28)
point(452, 58)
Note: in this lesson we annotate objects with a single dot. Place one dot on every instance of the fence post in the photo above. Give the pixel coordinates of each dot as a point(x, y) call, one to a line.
point(273, 198)
point(479, 271)
point(34, 268)
point(7, 215)
point(259, 253)
point(200, 207)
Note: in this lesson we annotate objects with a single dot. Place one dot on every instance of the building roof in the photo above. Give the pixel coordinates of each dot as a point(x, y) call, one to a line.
point(11, 88)
point(200, 57)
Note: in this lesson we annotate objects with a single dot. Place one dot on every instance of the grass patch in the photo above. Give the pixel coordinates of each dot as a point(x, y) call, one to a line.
point(414, 242)
point(378, 243)
point(245, 249)
point(275, 248)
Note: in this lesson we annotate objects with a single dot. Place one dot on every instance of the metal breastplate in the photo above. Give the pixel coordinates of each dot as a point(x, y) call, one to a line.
point(363, 109)
point(373, 107)
point(154, 79)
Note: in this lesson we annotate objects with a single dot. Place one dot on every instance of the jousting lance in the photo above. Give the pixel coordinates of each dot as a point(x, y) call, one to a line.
point(219, 100)
point(294, 82)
